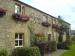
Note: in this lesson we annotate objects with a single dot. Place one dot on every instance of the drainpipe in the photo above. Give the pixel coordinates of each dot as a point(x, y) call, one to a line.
point(52, 31)
point(56, 29)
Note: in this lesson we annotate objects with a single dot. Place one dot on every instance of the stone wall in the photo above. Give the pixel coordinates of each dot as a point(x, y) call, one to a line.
point(8, 26)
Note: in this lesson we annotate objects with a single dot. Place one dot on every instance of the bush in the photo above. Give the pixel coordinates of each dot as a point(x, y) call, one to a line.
point(73, 38)
point(64, 45)
point(47, 47)
point(42, 48)
point(53, 45)
point(3, 52)
point(31, 51)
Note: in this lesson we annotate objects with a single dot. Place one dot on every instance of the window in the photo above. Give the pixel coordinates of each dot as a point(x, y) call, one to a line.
point(19, 39)
point(49, 37)
point(44, 19)
point(17, 8)
point(23, 10)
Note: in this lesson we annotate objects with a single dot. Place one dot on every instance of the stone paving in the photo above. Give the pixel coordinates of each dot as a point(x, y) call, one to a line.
point(56, 53)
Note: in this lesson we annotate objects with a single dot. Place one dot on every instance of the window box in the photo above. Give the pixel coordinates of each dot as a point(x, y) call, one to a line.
point(46, 24)
point(20, 17)
point(39, 34)
point(2, 11)
point(54, 26)
point(63, 28)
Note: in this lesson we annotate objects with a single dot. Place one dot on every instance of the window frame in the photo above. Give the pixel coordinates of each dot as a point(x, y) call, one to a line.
point(18, 39)
point(18, 9)
point(49, 37)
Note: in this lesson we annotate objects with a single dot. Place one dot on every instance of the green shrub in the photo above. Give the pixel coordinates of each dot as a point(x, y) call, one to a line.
point(3, 52)
point(63, 45)
point(47, 47)
point(31, 51)
point(73, 38)
point(53, 45)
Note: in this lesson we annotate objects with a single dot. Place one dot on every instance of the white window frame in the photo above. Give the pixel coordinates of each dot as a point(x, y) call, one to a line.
point(17, 8)
point(19, 40)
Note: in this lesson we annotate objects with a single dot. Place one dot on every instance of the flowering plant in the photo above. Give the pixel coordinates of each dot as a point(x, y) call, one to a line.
point(39, 34)
point(20, 17)
point(2, 11)
point(46, 24)
point(54, 26)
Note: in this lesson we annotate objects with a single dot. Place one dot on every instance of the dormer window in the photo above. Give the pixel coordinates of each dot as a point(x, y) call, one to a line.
point(17, 8)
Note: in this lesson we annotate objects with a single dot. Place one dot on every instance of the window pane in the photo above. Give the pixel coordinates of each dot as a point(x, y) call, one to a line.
point(23, 10)
point(20, 42)
point(49, 37)
point(16, 42)
point(17, 8)
point(20, 36)
point(16, 36)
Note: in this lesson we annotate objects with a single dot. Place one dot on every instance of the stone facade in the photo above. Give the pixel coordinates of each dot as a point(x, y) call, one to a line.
point(9, 26)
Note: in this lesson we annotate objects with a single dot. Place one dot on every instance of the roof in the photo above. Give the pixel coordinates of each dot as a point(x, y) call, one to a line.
point(39, 10)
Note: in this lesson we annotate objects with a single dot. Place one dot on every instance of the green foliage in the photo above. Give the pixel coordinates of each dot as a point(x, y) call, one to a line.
point(47, 47)
point(31, 51)
point(3, 52)
point(32, 35)
point(70, 52)
point(73, 38)
point(54, 45)
point(63, 45)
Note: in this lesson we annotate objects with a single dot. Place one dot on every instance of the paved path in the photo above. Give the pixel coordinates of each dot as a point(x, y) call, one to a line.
point(56, 53)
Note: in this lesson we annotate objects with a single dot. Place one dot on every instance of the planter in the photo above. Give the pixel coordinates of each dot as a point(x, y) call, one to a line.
point(46, 24)
point(20, 17)
point(2, 11)
point(39, 34)
point(62, 28)
point(54, 26)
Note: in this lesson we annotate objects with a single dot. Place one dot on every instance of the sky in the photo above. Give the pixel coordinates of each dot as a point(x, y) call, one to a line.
point(64, 8)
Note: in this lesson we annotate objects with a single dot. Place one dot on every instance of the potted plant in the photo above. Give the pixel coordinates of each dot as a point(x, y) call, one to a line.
point(39, 34)
point(54, 26)
point(2, 11)
point(20, 17)
point(46, 24)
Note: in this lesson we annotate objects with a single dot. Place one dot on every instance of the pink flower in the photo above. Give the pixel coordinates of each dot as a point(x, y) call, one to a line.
point(21, 17)
point(2, 10)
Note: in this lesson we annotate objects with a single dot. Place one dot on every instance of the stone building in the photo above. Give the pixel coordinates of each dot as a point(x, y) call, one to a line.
point(20, 22)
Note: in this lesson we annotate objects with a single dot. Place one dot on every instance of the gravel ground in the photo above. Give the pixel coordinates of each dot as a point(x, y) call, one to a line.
point(56, 53)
